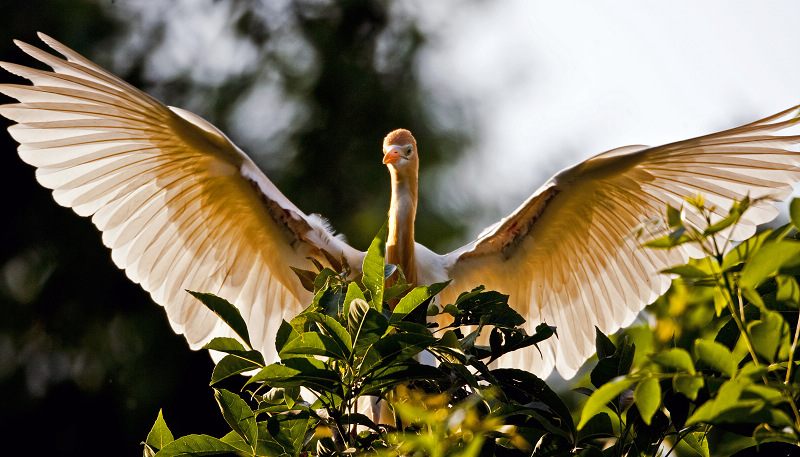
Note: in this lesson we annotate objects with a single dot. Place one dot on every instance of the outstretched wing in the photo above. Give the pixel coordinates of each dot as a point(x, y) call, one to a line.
point(567, 256)
point(180, 206)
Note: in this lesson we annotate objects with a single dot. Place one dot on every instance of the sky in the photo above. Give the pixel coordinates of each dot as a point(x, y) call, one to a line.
point(553, 83)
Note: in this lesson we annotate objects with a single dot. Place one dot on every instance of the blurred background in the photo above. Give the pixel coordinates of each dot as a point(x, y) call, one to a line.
point(500, 95)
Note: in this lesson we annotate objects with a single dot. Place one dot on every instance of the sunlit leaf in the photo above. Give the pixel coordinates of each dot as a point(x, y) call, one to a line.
point(687, 271)
point(283, 434)
point(674, 217)
point(334, 340)
point(238, 415)
point(400, 374)
point(195, 445)
point(393, 348)
point(742, 251)
point(415, 298)
point(231, 365)
point(314, 343)
point(727, 398)
point(159, 435)
point(227, 312)
point(768, 261)
point(605, 394)
point(752, 296)
point(794, 212)
point(674, 358)
point(716, 356)
point(769, 334)
point(353, 292)
point(234, 347)
point(688, 385)
point(734, 214)
point(647, 397)
point(788, 289)
point(694, 444)
point(299, 372)
point(374, 268)
point(365, 326)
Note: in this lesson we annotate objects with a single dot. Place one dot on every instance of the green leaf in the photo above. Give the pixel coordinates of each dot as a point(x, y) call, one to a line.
point(400, 374)
point(687, 271)
point(283, 434)
point(716, 356)
point(524, 387)
point(733, 216)
point(238, 415)
point(286, 333)
point(159, 435)
point(675, 238)
point(481, 307)
point(234, 347)
point(374, 268)
point(617, 364)
point(744, 250)
point(688, 385)
point(415, 298)
point(753, 296)
point(674, 358)
point(314, 343)
point(694, 443)
point(794, 212)
point(227, 312)
point(727, 398)
point(769, 335)
point(299, 372)
point(393, 349)
point(674, 217)
point(231, 365)
point(195, 445)
point(605, 394)
point(353, 292)
point(322, 279)
point(647, 397)
point(225, 344)
point(768, 261)
point(739, 401)
point(365, 326)
point(605, 348)
point(330, 327)
point(788, 289)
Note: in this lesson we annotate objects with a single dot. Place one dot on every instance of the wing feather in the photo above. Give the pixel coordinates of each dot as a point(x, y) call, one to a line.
point(178, 204)
point(568, 256)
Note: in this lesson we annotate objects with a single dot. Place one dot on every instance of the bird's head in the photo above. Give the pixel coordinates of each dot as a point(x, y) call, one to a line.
point(400, 152)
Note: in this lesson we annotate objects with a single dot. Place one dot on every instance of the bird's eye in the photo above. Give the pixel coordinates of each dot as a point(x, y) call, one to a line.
point(408, 152)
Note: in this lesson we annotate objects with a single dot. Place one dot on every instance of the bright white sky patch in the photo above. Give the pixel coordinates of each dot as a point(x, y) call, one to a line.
point(553, 83)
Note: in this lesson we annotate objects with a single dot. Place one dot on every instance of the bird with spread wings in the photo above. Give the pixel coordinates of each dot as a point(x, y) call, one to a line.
point(182, 208)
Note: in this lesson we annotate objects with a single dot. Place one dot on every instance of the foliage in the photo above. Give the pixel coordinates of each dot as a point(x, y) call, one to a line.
point(725, 380)
point(721, 369)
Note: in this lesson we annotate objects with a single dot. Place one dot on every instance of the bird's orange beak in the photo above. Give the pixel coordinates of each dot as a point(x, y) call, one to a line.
point(393, 155)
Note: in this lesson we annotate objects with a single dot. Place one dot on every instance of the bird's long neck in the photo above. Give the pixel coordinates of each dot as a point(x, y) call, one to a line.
point(403, 210)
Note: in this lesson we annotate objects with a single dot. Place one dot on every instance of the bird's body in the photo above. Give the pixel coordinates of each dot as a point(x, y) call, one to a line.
point(181, 207)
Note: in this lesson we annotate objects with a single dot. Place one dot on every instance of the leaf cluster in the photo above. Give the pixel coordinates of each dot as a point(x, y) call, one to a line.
point(718, 373)
point(726, 377)
point(350, 378)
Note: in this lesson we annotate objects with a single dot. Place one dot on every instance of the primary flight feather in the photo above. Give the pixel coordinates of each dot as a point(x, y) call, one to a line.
point(181, 207)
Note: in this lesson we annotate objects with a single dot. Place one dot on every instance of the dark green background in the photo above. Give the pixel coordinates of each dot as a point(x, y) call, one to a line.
point(86, 358)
